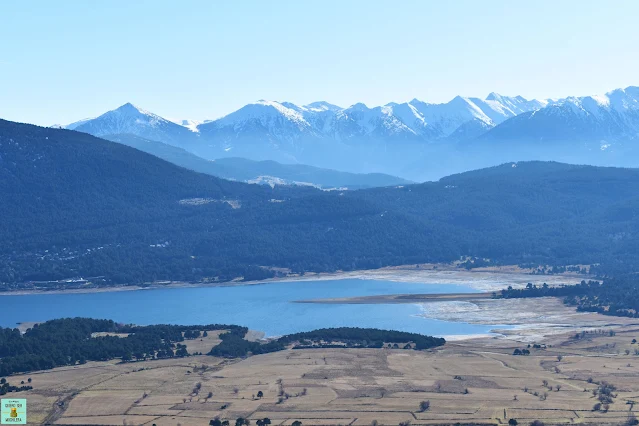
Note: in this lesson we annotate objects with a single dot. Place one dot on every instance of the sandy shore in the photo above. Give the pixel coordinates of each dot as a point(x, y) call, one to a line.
point(484, 279)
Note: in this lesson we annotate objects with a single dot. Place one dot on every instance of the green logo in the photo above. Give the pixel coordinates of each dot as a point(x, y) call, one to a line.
point(14, 412)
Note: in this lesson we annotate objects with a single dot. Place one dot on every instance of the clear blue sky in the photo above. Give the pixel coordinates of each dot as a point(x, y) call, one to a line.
point(65, 60)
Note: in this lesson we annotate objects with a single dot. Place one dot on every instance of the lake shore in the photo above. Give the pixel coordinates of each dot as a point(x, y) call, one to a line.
point(480, 279)
point(524, 320)
point(527, 320)
point(514, 319)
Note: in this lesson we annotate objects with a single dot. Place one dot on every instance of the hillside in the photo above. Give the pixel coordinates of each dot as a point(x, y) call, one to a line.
point(73, 205)
point(265, 172)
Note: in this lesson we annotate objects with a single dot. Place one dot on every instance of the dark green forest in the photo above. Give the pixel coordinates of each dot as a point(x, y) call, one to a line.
point(68, 341)
point(72, 205)
point(233, 344)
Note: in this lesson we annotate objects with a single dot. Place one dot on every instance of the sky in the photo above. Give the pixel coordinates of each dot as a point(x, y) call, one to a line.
point(66, 60)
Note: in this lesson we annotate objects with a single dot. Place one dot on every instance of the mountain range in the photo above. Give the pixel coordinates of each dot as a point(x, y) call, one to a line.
point(74, 205)
point(415, 139)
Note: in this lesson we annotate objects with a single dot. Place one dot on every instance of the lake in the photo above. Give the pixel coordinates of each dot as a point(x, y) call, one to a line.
point(266, 307)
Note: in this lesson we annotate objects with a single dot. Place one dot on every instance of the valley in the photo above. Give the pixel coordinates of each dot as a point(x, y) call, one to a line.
point(360, 213)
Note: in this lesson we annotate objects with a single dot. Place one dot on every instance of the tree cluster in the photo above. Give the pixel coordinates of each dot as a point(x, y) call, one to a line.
point(234, 345)
point(6, 387)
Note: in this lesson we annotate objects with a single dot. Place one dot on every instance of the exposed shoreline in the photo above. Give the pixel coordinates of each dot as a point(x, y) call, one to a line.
point(525, 320)
point(481, 279)
point(401, 298)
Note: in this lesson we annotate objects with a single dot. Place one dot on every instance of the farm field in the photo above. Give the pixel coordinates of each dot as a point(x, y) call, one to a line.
point(475, 381)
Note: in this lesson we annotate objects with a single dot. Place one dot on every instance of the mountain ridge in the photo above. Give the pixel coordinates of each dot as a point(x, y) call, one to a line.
point(416, 140)
point(266, 171)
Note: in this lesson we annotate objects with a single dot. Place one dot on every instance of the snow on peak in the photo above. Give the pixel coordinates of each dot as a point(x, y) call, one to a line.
point(130, 119)
point(189, 124)
point(285, 121)
point(601, 100)
point(130, 109)
point(290, 113)
point(322, 106)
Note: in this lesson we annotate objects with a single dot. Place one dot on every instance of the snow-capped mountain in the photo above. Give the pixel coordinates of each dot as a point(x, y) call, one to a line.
point(129, 119)
point(605, 119)
point(282, 123)
point(599, 130)
point(356, 138)
point(290, 129)
point(414, 139)
point(266, 130)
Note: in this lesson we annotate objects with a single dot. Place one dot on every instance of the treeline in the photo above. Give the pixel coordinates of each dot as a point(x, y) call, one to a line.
point(68, 342)
point(614, 296)
point(233, 345)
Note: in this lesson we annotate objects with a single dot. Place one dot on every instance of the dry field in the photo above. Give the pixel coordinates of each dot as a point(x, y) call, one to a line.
point(473, 381)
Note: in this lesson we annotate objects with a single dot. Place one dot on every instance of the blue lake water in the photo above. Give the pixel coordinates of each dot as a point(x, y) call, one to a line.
point(265, 307)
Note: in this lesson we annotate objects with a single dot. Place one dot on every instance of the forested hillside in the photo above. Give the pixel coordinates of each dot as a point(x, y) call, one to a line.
point(76, 206)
